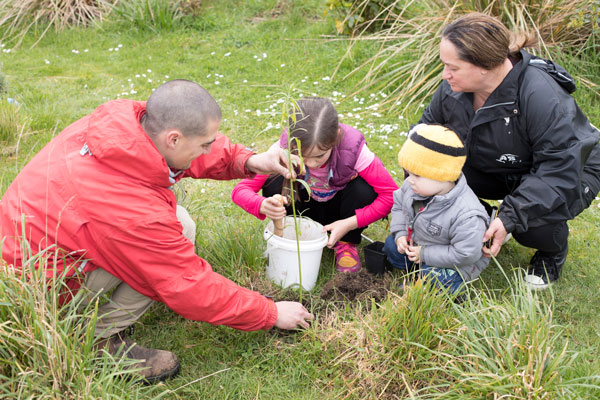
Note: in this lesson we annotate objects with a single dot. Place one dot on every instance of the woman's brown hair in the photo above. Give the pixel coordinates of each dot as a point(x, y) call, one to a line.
point(484, 41)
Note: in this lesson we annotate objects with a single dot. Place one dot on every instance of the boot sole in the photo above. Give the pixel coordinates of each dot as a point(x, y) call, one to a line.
point(162, 377)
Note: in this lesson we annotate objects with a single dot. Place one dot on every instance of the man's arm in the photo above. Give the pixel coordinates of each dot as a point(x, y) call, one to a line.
point(235, 161)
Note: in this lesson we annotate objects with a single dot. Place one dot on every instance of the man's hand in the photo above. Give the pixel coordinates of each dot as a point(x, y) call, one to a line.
point(498, 232)
point(290, 315)
point(338, 229)
point(272, 161)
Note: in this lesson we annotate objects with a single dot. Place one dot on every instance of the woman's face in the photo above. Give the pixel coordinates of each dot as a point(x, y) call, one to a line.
point(461, 75)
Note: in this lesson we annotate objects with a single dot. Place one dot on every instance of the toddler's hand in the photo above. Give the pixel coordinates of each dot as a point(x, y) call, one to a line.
point(272, 208)
point(414, 253)
point(402, 243)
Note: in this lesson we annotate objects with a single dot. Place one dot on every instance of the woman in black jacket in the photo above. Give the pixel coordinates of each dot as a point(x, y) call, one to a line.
point(527, 141)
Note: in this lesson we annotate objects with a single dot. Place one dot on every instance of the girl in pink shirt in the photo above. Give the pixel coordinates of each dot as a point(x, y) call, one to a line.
point(350, 187)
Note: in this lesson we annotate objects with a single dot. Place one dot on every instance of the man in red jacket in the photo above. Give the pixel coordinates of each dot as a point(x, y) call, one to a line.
point(97, 201)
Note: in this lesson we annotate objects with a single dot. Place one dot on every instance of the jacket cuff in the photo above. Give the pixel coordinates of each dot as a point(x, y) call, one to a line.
point(508, 224)
point(400, 233)
point(271, 314)
point(243, 160)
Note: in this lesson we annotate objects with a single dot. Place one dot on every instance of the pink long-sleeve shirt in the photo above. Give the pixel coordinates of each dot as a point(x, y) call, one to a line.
point(369, 167)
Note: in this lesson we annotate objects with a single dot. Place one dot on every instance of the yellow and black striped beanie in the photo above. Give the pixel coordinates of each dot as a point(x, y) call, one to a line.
point(434, 152)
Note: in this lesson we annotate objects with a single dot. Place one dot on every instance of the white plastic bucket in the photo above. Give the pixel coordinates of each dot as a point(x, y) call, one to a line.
point(283, 253)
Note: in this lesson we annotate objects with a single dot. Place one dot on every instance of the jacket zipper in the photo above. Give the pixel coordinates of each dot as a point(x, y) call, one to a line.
point(494, 105)
point(412, 223)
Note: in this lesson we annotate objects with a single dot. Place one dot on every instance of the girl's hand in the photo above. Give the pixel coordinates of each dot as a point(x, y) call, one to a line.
point(414, 253)
point(272, 208)
point(338, 229)
point(402, 243)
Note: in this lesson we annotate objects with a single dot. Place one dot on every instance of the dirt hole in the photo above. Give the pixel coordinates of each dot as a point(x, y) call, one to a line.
point(359, 285)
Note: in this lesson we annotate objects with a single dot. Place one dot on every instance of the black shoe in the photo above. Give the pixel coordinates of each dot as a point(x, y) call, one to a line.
point(545, 269)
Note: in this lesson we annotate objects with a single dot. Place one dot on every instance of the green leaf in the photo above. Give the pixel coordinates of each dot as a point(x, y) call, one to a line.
point(305, 184)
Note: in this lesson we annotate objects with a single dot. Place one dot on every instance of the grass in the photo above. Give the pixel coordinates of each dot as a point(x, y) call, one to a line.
point(45, 350)
point(415, 343)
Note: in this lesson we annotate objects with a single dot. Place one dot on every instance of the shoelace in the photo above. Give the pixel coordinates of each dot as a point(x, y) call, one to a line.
point(345, 247)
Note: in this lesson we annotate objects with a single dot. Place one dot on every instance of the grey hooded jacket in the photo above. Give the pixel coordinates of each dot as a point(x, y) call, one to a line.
point(530, 132)
point(450, 228)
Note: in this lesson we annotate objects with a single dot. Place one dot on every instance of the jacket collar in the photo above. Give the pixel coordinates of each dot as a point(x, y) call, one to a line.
point(507, 91)
point(115, 137)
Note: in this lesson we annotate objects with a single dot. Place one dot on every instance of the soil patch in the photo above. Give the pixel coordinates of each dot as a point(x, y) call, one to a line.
point(356, 286)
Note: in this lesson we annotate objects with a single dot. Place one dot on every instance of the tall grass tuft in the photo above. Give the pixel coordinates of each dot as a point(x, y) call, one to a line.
point(46, 350)
point(510, 348)
point(407, 68)
point(17, 17)
point(144, 15)
point(388, 352)
point(422, 345)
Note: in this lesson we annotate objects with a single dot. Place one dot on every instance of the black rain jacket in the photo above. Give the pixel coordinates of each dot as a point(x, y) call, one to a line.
point(529, 130)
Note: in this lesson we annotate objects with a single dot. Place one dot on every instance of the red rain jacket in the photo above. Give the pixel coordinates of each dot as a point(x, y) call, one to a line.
point(99, 191)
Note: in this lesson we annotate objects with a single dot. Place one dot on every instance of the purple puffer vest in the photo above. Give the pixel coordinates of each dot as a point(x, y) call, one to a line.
point(343, 156)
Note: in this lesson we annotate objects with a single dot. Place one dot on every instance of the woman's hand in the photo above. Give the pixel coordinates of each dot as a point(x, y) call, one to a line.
point(272, 208)
point(497, 231)
point(338, 229)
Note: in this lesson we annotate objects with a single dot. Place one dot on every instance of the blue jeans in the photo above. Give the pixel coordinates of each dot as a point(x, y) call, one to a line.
point(443, 278)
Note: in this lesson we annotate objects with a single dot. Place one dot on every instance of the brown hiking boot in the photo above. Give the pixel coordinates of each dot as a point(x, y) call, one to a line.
point(152, 366)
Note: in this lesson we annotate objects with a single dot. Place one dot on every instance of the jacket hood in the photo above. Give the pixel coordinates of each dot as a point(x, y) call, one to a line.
point(115, 137)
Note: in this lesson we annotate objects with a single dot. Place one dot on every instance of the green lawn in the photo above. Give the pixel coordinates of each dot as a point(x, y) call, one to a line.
point(246, 54)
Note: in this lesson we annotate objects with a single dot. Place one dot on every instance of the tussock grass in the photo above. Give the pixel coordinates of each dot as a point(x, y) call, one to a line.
point(422, 345)
point(381, 354)
point(17, 17)
point(510, 347)
point(46, 349)
point(152, 15)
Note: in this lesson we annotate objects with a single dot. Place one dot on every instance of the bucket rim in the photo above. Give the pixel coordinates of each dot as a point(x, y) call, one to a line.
point(290, 244)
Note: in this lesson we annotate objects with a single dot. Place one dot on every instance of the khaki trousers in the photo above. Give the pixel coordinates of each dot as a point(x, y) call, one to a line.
point(125, 305)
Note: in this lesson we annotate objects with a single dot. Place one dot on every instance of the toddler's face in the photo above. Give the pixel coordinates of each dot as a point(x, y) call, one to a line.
point(426, 187)
point(315, 157)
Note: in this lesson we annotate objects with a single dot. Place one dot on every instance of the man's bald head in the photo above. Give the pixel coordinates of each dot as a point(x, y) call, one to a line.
point(180, 105)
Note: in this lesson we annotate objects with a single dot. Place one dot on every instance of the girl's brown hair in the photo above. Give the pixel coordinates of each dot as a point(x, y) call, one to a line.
point(316, 123)
point(484, 41)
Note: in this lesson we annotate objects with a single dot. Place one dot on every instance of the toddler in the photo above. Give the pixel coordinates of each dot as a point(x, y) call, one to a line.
point(437, 221)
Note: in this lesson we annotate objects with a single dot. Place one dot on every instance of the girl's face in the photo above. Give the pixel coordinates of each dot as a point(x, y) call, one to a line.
point(461, 75)
point(314, 157)
point(426, 187)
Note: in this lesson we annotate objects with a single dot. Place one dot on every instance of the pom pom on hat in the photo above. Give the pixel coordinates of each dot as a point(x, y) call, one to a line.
point(434, 152)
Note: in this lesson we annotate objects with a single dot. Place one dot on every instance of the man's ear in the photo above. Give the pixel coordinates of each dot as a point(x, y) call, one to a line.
point(172, 138)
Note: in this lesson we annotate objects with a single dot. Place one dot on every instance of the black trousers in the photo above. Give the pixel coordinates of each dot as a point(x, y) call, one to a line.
point(550, 238)
point(357, 194)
